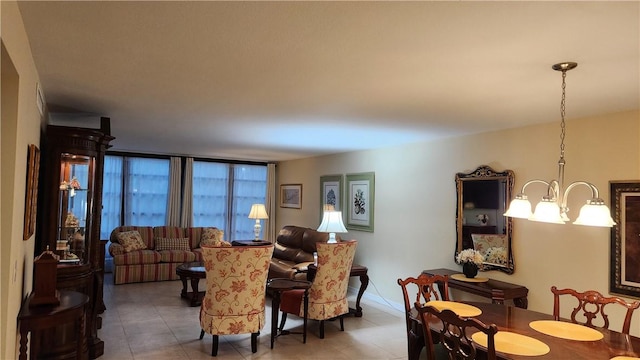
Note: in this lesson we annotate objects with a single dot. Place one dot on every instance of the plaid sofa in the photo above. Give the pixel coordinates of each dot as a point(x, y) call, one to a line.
point(150, 264)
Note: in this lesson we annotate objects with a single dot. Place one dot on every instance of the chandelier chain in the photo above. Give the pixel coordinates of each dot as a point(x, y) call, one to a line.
point(562, 112)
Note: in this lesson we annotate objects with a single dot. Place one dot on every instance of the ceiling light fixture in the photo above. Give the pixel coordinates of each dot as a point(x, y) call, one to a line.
point(553, 206)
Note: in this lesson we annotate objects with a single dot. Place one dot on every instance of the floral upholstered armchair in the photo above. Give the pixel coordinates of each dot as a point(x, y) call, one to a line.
point(234, 302)
point(328, 292)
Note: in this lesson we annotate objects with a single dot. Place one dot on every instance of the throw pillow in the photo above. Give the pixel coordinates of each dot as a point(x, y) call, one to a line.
point(172, 244)
point(211, 236)
point(131, 241)
point(492, 246)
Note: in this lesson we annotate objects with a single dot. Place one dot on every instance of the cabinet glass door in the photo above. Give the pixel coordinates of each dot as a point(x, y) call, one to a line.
point(76, 172)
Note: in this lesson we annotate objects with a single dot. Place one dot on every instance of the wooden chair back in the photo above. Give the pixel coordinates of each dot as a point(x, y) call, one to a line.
point(425, 288)
point(453, 335)
point(591, 303)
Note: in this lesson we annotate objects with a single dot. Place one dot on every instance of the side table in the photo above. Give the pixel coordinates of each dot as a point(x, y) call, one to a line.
point(277, 286)
point(250, 242)
point(193, 271)
point(35, 319)
point(356, 270)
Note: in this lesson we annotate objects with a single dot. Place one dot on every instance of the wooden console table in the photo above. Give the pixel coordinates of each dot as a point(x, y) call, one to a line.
point(497, 291)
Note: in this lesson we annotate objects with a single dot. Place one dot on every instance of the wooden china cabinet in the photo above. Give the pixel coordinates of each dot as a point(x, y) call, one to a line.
point(70, 210)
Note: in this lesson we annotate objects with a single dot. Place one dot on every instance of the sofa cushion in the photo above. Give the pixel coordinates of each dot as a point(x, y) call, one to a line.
point(198, 254)
point(131, 241)
point(137, 257)
point(211, 236)
point(146, 232)
point(172, 244)
point(116, 249)
point(177, 256)
point(167, 232)
point(194, 234)
point(311, 237)
point(286, 269)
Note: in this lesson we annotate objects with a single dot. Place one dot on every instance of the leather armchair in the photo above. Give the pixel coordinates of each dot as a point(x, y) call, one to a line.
point(293, 252)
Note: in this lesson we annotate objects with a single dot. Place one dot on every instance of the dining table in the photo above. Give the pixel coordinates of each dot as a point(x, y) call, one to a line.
point(575, 342)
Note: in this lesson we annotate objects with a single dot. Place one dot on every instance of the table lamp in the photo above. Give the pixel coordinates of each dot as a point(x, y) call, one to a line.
point(332, 223)
point(257, 212)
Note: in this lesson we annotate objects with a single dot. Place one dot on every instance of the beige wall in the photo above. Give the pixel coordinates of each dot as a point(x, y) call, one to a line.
point(415, 203)
point(415, 197)
point(21, 123)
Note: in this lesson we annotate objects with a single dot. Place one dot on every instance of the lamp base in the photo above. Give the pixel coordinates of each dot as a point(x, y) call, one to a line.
point(332, 238)
point(256, 230)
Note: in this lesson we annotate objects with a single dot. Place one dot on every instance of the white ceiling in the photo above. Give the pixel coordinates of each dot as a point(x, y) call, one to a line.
point(285, 80)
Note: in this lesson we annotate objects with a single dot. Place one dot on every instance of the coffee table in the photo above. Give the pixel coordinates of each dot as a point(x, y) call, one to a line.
point(250, 243)
point(193, 271)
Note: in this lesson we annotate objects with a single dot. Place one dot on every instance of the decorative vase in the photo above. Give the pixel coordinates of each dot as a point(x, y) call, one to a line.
point(470, 269)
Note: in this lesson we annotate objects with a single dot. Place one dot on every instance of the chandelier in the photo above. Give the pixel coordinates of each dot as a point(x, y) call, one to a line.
point(553, 206)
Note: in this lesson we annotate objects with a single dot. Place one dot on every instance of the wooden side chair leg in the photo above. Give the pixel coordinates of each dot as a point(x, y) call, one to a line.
point(214, 346)
point(254, 342)
point(341, 322)
point(321, 329)
point(415, 344)
point(201, 334)
point(282, 321)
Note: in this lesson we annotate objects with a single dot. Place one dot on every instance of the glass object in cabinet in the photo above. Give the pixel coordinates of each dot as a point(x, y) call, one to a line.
point(74, 200)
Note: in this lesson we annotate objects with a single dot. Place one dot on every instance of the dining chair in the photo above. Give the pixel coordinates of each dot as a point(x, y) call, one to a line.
point(328, 292)
point(453, 335)
point(426, 288)
point(234, 301)
point(590, 304)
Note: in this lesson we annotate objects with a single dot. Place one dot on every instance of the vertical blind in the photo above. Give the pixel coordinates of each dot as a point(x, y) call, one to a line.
point(136, 192)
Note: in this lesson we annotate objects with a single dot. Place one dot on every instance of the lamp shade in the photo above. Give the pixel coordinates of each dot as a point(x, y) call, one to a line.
point(332, 222)
point(519, 208)
point(258, 211)
point(547, 211)
point(595, 215)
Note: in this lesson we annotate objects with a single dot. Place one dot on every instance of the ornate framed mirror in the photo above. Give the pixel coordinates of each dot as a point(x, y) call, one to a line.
point(482, 199)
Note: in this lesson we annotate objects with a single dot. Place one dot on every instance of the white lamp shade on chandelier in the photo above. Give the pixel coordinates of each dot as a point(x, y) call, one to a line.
point(258, 212)
point(332, 224)
point(553, 206)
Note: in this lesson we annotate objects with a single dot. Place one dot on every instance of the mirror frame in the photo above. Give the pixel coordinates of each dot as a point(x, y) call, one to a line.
point(484, 173)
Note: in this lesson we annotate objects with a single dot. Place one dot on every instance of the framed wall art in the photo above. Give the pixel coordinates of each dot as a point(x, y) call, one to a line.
point(360, 192)
point(291, 196)
point(31, 196)
point(625, 238)
point(331, 192)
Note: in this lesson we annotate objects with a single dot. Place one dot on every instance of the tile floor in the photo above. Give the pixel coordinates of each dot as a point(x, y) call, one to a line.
point(151, 321)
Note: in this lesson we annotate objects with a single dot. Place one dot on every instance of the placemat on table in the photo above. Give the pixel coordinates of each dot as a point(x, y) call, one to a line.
point(461, 309)
point(566, 330)
point(513, 343)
